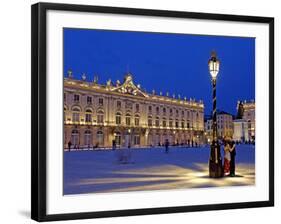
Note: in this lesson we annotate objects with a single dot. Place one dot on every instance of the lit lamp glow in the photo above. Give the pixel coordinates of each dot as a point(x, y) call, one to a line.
point(215, 162)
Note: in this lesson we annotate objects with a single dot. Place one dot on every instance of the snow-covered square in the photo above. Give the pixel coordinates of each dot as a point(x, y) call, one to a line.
point(125, 170)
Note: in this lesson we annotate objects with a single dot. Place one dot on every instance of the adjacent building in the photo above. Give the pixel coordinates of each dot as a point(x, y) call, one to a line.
point(241, 130)
point(244, 124)
point(96, 114)
point(224, 126)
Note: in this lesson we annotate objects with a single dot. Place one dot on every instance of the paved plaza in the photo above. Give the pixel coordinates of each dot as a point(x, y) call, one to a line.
point(125, 170)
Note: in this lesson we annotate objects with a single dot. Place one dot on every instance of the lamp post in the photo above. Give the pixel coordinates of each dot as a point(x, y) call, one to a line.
point(215, 163)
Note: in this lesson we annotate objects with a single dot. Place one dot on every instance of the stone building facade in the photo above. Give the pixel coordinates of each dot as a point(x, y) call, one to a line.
point(250, 117)
point(245, 124)
point(96, 114)
point(224, 125)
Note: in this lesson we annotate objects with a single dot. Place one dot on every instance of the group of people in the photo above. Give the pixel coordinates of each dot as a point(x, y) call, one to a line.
point(229, 158)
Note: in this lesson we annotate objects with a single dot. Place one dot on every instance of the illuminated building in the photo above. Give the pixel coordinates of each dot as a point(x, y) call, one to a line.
point(244, 125)
point(224, 124)
point(96, 114)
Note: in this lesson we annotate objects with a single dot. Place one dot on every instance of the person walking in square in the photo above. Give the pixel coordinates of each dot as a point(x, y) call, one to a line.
point(69, 145)
point(113, 144)
point(232, 158)
point(166, 146)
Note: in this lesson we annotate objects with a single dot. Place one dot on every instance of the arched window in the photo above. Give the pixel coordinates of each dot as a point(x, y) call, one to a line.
point(88, 137)
point(137, 120)
point(75, 137)
point(149, 121)
point(75, 114)
point(118, 118)
point(157, 122)
point(128, 119)
point(88, 115)
point(100, 138)
point(100, 116)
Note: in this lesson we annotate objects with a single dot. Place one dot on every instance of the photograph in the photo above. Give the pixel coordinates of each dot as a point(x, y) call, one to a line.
point(155, 111)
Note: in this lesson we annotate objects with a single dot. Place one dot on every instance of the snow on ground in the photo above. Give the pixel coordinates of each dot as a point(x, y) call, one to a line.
point(150, 169)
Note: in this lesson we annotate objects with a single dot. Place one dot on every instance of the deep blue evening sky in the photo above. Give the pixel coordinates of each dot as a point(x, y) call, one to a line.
point(175, 63)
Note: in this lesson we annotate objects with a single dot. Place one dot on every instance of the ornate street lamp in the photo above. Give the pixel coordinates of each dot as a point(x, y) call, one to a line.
point(215, 163)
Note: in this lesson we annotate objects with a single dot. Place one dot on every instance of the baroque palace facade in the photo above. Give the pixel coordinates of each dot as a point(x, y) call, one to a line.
point(96, 114)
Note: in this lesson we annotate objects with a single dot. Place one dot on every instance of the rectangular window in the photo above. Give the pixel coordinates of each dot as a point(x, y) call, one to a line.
point(170, 124)
point(157, 110)
point(118, 119)
point(128, 121)
point(75, 117)
point(100, 118)
point(137, 107)
point(150, 109)
point(137, 121)
point(100, 101)
point(89, 99)
point(164, 124)
point(149, 122)
point(119, 104)
point(157, 123)
point(76, 98)
point(88, 118)
point(136, 140)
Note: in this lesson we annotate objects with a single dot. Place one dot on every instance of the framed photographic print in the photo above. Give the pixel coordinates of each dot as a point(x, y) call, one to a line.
point(139, 111)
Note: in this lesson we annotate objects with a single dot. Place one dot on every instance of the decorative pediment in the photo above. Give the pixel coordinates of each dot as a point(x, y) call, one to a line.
point(128, 87)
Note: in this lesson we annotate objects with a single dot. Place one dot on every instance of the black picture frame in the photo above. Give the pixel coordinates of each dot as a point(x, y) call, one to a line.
point(39, 122)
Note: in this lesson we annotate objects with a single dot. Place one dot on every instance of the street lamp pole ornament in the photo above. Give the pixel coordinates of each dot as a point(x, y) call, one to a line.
point(215, 163)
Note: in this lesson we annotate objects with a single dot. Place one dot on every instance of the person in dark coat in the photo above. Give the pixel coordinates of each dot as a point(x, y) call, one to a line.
point(69, 145)
point(167, 146)
point(232, 158)
point(113, 144)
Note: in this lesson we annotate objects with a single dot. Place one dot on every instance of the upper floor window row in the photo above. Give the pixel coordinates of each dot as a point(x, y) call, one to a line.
point(89, 99)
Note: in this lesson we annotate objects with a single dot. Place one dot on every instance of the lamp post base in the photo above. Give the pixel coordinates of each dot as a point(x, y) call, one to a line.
point(215, 167)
